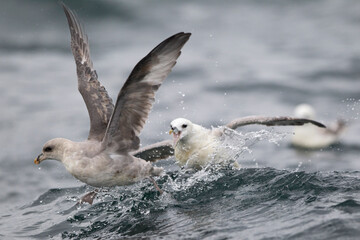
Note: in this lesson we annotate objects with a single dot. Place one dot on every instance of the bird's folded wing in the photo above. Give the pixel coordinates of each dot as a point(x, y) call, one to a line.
point(271, 121)
point(97, 100)
point(156, 151)
point(136, 97)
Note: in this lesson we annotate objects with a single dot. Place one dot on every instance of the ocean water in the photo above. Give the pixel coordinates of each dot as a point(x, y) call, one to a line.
point(243, 58)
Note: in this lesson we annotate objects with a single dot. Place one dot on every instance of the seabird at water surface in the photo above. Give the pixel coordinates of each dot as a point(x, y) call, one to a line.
point(196, 146)
point(311, 137)
point(105, 158)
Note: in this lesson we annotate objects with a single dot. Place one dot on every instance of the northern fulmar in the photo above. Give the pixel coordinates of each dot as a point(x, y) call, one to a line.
point(311, 137)
point(196, 146)
point(105, 158)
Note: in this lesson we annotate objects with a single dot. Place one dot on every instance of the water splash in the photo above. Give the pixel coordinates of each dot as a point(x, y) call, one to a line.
point(352, 111)
point(238, 143)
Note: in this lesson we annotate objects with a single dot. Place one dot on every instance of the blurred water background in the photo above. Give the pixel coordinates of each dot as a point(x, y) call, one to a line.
point(243, 58)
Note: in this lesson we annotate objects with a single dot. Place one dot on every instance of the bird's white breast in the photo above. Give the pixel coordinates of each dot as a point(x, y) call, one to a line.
point(197, 149)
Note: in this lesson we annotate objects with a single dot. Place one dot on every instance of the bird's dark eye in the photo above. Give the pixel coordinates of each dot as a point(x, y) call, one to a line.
point(48, 149)
point(184, 125)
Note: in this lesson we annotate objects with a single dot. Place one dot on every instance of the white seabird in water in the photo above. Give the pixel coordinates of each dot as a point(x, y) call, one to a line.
point(311, 137)
point(105, 158)
point(196, 146)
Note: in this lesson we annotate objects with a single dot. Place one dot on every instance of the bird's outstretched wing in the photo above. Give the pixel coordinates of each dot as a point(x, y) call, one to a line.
point(136, 97)
point(271, 121)
point(156, 151)
point(97, 100)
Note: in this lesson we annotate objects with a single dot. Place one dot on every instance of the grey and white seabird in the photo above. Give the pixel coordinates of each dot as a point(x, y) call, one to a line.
point(311, 137)
point(105, 158)
point(196, 146)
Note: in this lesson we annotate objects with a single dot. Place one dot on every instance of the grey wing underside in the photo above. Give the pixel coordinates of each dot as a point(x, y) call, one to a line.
point(156, 151)
point(136, 97)
point(271, 121)
point(96, 98)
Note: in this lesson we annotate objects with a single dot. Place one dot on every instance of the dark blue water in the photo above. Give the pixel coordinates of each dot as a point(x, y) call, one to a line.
point(243, 58)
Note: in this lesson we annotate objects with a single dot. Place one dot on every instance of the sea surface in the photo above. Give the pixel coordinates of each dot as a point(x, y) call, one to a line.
point(243, 58)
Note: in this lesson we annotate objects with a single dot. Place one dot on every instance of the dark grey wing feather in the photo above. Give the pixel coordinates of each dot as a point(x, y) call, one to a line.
point(271, 121)
point(136, 97)
point(156, 151)
point(97, 100)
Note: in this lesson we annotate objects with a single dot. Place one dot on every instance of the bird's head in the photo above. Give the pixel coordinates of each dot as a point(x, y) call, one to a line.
point(304, 111)
point(53, 149)
point(180, 128)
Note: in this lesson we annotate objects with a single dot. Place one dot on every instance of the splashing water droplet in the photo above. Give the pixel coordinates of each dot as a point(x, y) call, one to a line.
point(298, 167)
point(182, 94)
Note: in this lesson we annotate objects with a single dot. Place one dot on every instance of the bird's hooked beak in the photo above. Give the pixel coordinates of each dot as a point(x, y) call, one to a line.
point(176, 133)
point(39, 158)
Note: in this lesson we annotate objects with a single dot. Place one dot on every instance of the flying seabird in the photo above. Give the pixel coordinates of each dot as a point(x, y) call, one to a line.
point(105, 159)
point(310, 137)
point(196, 146)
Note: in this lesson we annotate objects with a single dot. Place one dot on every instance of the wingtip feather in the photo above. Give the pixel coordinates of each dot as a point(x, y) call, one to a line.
point(319, 124)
